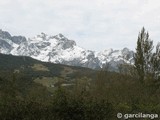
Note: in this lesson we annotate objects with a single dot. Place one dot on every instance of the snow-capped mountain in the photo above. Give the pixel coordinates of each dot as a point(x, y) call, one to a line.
point(61, 50)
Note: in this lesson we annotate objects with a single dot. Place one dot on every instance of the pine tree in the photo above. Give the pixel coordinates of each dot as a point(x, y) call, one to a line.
point(156, 62)
point(143, 55)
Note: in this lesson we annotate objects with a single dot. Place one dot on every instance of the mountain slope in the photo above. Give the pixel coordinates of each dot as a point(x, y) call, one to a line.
point(47, 74)
point(59, 49)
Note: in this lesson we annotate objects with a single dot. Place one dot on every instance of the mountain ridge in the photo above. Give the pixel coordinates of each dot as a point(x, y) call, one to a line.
point(61, 50)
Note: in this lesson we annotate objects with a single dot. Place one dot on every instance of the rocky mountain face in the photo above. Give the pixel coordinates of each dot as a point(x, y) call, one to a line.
point(59, 49)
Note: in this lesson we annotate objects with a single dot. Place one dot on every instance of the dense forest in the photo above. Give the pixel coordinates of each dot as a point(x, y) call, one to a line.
point(92, 95)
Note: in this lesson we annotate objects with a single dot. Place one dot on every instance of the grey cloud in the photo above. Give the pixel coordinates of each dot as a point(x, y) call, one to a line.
point(94, 24)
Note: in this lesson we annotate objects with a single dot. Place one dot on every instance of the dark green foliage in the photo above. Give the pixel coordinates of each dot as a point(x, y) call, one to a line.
point(21, 109)
point(64, 105)
point(120, 93)
point(156, 62)
point(69, 107)
point(143, 55)
point(147, 62)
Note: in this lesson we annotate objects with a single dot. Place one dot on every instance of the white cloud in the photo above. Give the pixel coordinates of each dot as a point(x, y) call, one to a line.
point(94, 24)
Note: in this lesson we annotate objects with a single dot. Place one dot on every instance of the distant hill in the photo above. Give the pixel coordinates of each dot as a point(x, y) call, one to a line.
point(47, 74)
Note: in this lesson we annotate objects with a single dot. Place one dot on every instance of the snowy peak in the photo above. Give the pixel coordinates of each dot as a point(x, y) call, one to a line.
point(59, 49)
point(106, 52)
point(60, 37)
point(15, 39)
point(43, 36)
point(64, 42)
point(4, 35)
point(9, 43)
point(18, 39)
point(59, 41)
point(115, 57)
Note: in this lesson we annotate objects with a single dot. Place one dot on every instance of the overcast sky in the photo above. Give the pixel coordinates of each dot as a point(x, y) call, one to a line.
point(93, 24)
